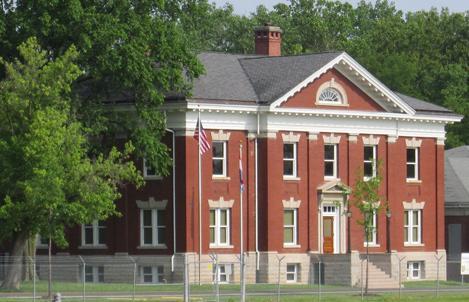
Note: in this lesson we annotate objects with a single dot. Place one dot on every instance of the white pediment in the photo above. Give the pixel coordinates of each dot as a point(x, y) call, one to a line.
point(333, 187)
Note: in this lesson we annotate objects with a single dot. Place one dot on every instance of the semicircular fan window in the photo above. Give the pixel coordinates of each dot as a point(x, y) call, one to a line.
point(330, 95)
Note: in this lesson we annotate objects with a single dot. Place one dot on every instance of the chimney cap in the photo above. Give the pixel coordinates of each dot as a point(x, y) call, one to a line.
point(268, 27)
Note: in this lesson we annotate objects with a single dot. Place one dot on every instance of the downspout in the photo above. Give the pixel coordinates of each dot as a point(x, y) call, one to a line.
point(174, 196)
point(257, 192)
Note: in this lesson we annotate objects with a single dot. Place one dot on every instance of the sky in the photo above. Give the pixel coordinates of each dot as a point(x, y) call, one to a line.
point(246, 6)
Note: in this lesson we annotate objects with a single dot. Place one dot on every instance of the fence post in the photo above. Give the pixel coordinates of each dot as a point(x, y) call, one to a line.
point(399, 274)
point(83, 276)
point(33, 260)
point(361, 278)
point(186, 280)
point(278, 277)
point(438, 259)
point(135, 276)
point(214, 259)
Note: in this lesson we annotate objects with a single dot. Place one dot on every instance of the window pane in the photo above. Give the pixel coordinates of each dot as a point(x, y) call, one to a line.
point(147, 217)
point(415, 234)
point(223, 235)
point(406, 235)
point(102, 235)
point(212, 217)
point(217, 165)
point(147, 236)
point(217, 149)
point(328, 151)
point(288, 235)
point(148, 278)
point(223, 217)
point(147, 270)
point(290, 277)
point(368, 153)
point(368, 169)
point(212, 235)
point(406, 217)
point(329, 169)
point(288, 218)
point(291, 268)
point(161, 235)
point(415, 215)
point(410, 171)
point(411, 155)
point(88, 235)
point(288, 151)
point(160, 217)
point(287, 167)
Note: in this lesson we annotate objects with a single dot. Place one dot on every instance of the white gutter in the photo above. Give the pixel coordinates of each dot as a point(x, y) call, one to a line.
point(257, 192)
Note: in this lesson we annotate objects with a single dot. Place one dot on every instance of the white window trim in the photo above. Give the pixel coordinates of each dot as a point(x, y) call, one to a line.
point(332, 84)
point(410, 270)
point(294, 160)
point(224, 160)
point(95, 226)
point(334, 161)
point(416, 164)
point(154, 274)
point(294, 273)
point(94, 273)
point(154, 227)
point(149, 176)
point(294, 243)
point(228, 270)
point(217, 226)
point(39, 244)
point(373, 162)
point(408, 228)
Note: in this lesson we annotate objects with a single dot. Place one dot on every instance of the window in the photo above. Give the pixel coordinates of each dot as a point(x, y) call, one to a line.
point(330, 95)
point(219, 158)
point(42, 242)
point(94, 274)
point(371, 239)
point(224, 273)
point(149, 171)
point(219, 227)
point(414, 270)
point(412, 163)
point(369, 161)
point(412, 226)
point(152, 274)
point(93, 234)
point(290, 228)
point(289, 160)
point(152, 227)
point(292, 272)
point(330, 161)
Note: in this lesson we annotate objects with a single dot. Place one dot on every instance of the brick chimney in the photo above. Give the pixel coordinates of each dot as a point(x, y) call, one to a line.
point(268, 40)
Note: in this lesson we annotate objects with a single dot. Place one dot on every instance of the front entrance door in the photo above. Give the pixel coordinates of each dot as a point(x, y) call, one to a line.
point(328, 233)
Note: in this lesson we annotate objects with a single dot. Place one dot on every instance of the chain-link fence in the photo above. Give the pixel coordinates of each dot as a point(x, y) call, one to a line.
point(221, 277)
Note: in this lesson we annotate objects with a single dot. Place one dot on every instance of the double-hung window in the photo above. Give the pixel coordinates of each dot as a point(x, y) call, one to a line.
point(290, 227)
point(290, 160)
point(223, 274)
point(94, 274)
point(413, 226)
point(412, 164)
point(152, 274)
point(149, 171)
point(220, 227)
point(370, 235)
point(93, 234)
point(330, 161)
point(292, 272)
point(152, 227)
point(369, 161)
point(414, 270)
point(219, 162)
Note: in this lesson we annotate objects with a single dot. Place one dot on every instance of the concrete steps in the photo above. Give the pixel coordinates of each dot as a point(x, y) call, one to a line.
point(378, 278)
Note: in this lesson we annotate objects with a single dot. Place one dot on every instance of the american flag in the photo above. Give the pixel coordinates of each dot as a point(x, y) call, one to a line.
point(241, 180)
point(203, 142)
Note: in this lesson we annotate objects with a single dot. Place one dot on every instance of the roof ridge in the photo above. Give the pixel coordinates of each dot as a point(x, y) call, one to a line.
point(294, 55)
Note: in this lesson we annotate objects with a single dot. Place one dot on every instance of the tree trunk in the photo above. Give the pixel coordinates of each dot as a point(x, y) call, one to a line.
point(49, 284)
point(14, 274)
point(367, 261)
point(29, 255)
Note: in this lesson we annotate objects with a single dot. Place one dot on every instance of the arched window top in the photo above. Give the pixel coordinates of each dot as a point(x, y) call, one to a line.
point(331, 93)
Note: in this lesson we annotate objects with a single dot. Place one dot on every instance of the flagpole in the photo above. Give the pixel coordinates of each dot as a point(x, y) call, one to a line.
point(200, 193)
point(241, 244)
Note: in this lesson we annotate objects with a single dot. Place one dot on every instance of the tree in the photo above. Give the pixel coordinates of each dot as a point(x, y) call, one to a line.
point(367, 199)
point(48, 181)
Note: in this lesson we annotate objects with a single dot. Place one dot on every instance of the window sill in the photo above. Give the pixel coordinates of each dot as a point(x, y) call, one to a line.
point(371, 244)
point(220, 177)
point(291, 178)
point(213, 246)
point(332, 104)
point(331, 178)
point(291, 246)
point(407, 244)
point(93, 247)
point(413, 181)
point(152, 247)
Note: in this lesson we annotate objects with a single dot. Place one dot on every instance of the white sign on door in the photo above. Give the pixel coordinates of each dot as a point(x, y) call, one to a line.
point(464, 263)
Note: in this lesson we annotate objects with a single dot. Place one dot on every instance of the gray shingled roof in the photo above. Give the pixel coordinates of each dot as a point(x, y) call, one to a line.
point(237, 79)
point(457, 176)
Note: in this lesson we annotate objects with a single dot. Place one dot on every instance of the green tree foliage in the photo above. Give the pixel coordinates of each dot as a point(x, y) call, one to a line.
point(48, 181)
point(130, 52)
point(424, 54)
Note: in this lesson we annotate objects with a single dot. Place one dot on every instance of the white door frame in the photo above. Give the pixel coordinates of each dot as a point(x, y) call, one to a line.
point(339, 224)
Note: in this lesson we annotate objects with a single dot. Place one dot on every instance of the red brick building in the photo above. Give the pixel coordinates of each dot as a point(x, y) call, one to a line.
point(307, 124)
